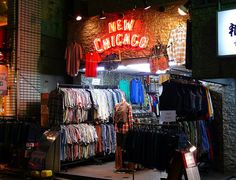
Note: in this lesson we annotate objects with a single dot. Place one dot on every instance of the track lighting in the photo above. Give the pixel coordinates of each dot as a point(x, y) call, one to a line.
point(146, 5)
point(184, 9)
point(102, 15)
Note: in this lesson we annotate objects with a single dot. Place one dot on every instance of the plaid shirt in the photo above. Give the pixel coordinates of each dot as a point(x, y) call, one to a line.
point(176, 47)
point(124, 127)
point(55, 107)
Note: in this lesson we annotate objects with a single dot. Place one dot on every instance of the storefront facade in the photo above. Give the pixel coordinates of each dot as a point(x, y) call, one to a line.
point(42, 39)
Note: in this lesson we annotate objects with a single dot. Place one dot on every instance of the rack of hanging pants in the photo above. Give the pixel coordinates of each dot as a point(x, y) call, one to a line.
point(151, 145)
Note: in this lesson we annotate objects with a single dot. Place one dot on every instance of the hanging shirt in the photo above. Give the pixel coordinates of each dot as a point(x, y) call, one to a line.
point(73, 56)
point(176, 48)
point(136, 94)
point(91, 62)
point(124, 86)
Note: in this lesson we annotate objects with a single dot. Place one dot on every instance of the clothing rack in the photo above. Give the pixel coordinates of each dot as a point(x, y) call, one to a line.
point(87, 86)
point(155, 124)
point(15, 119)
point(143, 115)
point(189, 78)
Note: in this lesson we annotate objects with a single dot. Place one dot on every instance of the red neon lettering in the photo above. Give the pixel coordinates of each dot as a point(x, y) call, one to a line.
point(113, 41)
point(118, 39)
point(128, 25)
point(98, 46)
point(112, 27)
point(134, 41)
point(143, 42)
point(126, 39)
point(106, 43)
point(119, 25)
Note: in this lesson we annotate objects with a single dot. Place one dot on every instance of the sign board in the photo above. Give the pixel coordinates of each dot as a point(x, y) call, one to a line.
point(3, 80)
point(190, 166)
point(167, 116)
point(189, 160)
point(193, 173)
point(226, 32)
point(121, 33)
point(96, 81)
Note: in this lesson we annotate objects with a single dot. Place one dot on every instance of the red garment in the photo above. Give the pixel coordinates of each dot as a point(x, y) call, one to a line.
point(73, 56)
point(162, 63)
point(154, 65)
point(91, 62)
point(158, 63)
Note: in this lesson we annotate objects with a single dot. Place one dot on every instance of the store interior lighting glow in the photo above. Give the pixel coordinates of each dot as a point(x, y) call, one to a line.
point(101, 68)
point(121, 67)
point(144, 67)
point(161, 72)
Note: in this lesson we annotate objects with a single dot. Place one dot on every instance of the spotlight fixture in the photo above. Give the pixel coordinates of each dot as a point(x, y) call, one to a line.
point(134, 5)
point(146, 5)
point(184, 9)
point(78, 17)
point(102, 15)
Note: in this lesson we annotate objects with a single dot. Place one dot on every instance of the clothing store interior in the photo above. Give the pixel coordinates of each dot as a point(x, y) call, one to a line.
point(128, 106)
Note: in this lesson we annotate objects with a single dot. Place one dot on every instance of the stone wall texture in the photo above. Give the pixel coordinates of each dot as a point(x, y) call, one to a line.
point(153, 23)
point(229, 123)
point(206, 64)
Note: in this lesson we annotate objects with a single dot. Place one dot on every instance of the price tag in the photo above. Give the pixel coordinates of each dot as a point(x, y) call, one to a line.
point(167, 116)
point(96, 81)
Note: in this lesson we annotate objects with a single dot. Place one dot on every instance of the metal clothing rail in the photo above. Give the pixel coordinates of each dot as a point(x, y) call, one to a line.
point(87, 86)
point(154, 124)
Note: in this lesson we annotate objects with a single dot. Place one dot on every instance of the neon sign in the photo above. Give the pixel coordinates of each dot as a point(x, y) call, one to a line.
point(120, 34)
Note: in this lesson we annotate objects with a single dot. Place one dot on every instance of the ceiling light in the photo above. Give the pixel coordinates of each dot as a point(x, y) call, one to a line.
point(78, 18)
point(146, 5)
point(183, 10)
point(102, 15)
